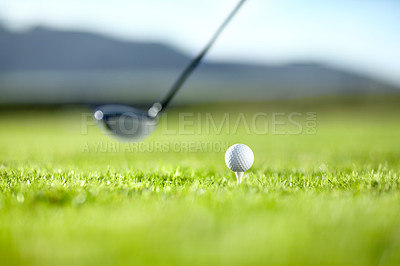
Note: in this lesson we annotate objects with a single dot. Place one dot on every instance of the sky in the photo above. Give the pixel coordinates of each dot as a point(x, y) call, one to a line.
point(359, 35)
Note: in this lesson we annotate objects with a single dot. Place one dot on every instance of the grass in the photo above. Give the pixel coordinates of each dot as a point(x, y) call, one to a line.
point(74, 196)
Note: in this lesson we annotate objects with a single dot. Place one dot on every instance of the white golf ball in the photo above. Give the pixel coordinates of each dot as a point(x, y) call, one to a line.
point(239, 158)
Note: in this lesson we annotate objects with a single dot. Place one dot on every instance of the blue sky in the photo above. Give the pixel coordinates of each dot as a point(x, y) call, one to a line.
point(359, 35)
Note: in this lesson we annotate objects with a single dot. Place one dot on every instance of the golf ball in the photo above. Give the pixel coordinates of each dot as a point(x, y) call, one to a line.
point(239, 158)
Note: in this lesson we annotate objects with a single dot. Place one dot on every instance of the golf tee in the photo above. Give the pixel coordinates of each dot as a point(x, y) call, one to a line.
point(239, 177)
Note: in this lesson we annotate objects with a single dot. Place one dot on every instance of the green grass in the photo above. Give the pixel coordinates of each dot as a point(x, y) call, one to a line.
point(68, 196)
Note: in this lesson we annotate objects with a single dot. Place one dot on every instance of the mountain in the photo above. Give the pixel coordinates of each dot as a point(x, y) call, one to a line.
point(49, 66)
point(43, 49)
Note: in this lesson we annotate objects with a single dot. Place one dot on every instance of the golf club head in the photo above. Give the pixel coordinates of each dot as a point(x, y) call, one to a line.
point(125, 123)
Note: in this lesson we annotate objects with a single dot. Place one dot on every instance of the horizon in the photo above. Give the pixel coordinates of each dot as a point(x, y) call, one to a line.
point(177, 49)
point(353, 36)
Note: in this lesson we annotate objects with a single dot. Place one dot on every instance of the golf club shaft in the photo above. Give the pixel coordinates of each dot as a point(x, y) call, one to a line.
point(196, 61)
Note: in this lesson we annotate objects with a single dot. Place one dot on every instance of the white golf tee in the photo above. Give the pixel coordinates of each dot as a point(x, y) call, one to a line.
point(239, 177)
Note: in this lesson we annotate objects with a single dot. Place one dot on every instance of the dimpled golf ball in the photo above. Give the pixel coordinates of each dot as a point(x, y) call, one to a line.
point(239, 158)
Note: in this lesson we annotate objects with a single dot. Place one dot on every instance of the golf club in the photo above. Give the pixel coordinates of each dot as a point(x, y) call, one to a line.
point(131, 124)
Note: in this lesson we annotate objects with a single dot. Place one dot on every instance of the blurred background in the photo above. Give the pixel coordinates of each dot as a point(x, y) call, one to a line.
point(93, 52)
